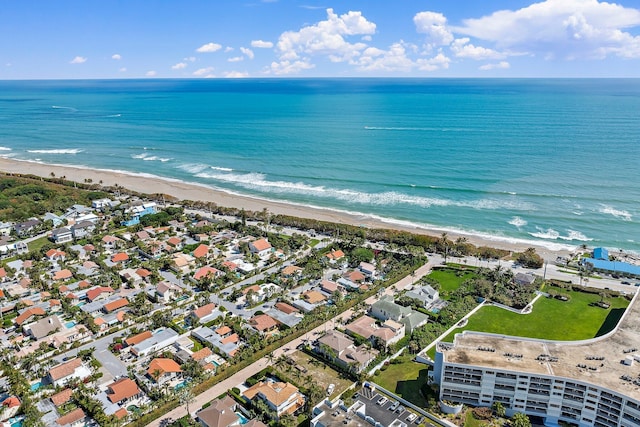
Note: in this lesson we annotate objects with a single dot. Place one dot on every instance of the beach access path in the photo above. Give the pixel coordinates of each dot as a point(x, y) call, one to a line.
point(288, 348)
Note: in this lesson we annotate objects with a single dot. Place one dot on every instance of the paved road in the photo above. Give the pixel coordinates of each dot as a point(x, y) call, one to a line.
point(289, 348)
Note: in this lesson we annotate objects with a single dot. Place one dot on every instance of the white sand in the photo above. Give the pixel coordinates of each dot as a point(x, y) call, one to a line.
point(185, 191)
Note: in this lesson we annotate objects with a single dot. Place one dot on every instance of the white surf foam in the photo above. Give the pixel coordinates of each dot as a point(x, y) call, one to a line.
point(219, 168)
point(551, 234)
point(146, 157)
point(58, 151)
point(193, 168)
point(60, 107)
point(518, 222)
point(618, 213)
point(5, 149)
point(258, 182)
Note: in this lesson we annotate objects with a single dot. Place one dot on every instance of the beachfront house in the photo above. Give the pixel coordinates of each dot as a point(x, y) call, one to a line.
point(61, 374)
point(282, 398)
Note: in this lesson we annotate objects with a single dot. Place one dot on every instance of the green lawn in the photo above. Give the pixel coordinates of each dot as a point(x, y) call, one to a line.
point(450, 279)
point(38, 243)
point(405, 380)
point(551, 319)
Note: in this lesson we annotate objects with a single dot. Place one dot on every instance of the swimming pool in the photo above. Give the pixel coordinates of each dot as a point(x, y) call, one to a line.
point(181, 385)
point(70, 325)
point(242, 418)
point(36, 386)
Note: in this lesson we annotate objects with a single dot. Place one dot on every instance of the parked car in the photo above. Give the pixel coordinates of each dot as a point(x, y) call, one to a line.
point(330, 389)
point(382, 401)
point(400, 409)
point(394, 406)
point(411, 417)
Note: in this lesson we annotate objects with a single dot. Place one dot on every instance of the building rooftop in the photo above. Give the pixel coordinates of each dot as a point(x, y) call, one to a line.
point(599, 361)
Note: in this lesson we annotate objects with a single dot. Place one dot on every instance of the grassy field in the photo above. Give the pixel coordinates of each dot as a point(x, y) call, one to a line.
point(551, 319)
point(450, 279)
point(38, 243)
point(405, 380)
point(317, 372)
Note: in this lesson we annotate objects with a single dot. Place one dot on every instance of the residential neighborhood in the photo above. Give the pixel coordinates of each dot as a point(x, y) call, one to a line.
point(124, 310)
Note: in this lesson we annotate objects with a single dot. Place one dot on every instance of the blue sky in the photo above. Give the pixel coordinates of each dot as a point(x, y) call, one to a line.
point(76, 39)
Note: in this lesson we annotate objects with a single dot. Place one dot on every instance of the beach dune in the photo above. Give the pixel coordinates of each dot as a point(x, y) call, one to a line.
point(188, 191)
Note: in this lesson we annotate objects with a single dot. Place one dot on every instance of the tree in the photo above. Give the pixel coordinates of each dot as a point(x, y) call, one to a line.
point(186, 397)
point(520, 419)
point(499, 409)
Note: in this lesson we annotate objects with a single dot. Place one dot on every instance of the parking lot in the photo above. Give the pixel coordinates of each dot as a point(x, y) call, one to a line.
point(386, 410)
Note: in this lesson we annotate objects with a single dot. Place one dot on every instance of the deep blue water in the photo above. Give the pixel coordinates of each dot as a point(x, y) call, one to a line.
point(553, 160)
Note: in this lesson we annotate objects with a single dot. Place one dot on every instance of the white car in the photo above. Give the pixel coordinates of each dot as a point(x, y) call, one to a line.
point(330, 389)
point(382, 401)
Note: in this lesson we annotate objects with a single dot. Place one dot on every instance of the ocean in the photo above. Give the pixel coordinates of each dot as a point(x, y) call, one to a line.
point(550, 161)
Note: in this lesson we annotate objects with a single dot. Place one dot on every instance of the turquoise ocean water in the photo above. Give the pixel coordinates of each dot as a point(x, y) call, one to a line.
point(551, 161)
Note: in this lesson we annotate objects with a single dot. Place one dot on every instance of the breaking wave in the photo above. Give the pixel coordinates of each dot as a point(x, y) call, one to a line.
point(58, 151)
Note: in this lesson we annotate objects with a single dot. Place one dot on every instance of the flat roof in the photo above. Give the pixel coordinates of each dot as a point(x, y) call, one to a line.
point(598, 361)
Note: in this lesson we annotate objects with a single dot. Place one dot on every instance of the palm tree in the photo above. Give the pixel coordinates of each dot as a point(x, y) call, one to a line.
point(186, 397)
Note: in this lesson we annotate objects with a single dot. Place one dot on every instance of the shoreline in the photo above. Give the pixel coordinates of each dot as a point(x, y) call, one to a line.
point(149, 184)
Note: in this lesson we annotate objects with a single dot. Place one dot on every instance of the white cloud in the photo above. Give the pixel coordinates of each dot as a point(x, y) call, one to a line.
point(151, 73)
point(438, 62)
point(203, 72)
point(235, 74)
point(434, 25)
point(366, 38)
point(396, 60)
point(190, 59)
point(236, 59)
point(261, 44)
point(503, 65)
point(461, 48)
point(179, 66)
point(116, 56)
point(78, 60)
point(228, 49)
point(561, 29)
point(288, 67)
point(123, 69)
point(209, 47)
point(247, 52)
point(325, 38)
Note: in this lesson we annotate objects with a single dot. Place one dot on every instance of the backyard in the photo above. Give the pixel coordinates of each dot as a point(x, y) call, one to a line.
point(405, 379)
point(310, 370)
point(450, 279)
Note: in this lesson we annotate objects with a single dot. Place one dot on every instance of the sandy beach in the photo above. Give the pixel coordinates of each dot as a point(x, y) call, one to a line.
point(188, 191)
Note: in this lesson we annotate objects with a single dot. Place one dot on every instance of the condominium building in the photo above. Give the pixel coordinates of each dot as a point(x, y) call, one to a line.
point(587, 383)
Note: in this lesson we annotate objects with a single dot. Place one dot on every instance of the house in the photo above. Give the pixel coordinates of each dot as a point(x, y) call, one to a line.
point(5, 228)
point(335, 255)
point(286, 308)
point(138, 338)
point(221, 413)
point(388, 333)
point(123, 391)
point(75, 418)
point(264, 324)
point(131, 276)
point(207, 271)
point(601, 253)
point(62, 275)
point(10, 407)
point(122, 257)
point(115, 305)
point(160, 339)
point(111, 242)
point(137, 211)
point(329, 286)
point(167, 292)
point(60, 374)
point(202, 251)
point(368, 269)
point(43, 327)
point(342, 350)
point(314, 297)
point(261, 247)
point(385, 308)
point(425, 294)
point(205, 314)
point(162, 370)
point(54, 255)
point(27, 227)
point(223, 338)
point(61, 235)
point(28, 313)
point(354, 276)
point(61, 397)
point(291, 271)
point(282, 398)
point(82, 229)
point(524, 279)
point(105, 203)
point(99, 292)
point(175, 243)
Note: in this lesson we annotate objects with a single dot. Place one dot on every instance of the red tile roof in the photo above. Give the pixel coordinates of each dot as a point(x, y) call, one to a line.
point(62, 274)
point(137, 339)
point(62, 397)
point(162, 366)
point(120, 257)
point(65, 369)
point(286, 308)
point(204, 310)
point(206, 271)
point(71, 417)
point(114, 305)
point(201, 251)
point(26, 315)
point(263, 322)
point(124, 388)
point(261, 244)
point(96, 292)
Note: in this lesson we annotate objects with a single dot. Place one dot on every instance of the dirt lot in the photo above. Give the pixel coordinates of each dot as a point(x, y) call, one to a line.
point(307, 370)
